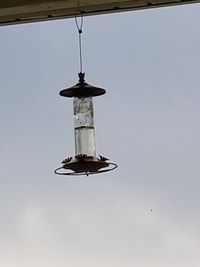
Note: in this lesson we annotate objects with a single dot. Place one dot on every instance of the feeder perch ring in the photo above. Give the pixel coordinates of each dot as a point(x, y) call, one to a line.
point(88, 166)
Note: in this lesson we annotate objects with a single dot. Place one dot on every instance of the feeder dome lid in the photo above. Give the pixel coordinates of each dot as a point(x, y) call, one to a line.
point(82, 89)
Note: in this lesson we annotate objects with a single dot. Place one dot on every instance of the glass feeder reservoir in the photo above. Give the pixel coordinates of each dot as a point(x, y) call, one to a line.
point(84, 126)
point(85, 160)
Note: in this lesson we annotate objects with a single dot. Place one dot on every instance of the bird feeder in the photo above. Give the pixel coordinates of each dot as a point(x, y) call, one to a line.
point(85, 161)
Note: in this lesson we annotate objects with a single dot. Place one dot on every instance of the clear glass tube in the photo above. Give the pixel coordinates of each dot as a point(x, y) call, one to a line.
point(84, 126)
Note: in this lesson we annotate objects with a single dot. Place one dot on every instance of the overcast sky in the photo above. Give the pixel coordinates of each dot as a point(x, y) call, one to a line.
point(146, 212)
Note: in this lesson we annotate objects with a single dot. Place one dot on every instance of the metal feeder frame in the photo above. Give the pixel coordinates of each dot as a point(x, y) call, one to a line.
point(83, 164)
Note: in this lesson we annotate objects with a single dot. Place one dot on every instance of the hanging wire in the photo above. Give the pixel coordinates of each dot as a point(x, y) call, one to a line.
point(79, 25)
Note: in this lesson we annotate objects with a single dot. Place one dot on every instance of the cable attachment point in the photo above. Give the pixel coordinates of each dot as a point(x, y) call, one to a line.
point(81, 77)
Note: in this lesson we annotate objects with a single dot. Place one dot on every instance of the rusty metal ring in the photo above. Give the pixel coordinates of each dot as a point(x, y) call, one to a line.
point(113, 166)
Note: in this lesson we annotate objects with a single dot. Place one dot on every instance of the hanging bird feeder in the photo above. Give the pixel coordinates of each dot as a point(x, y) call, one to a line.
point(85, 161)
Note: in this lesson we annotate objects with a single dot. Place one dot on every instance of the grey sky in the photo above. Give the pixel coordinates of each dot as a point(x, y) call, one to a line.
point(148, 123)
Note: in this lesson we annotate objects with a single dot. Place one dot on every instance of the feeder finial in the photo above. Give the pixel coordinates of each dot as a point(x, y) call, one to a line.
point(81, 76)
